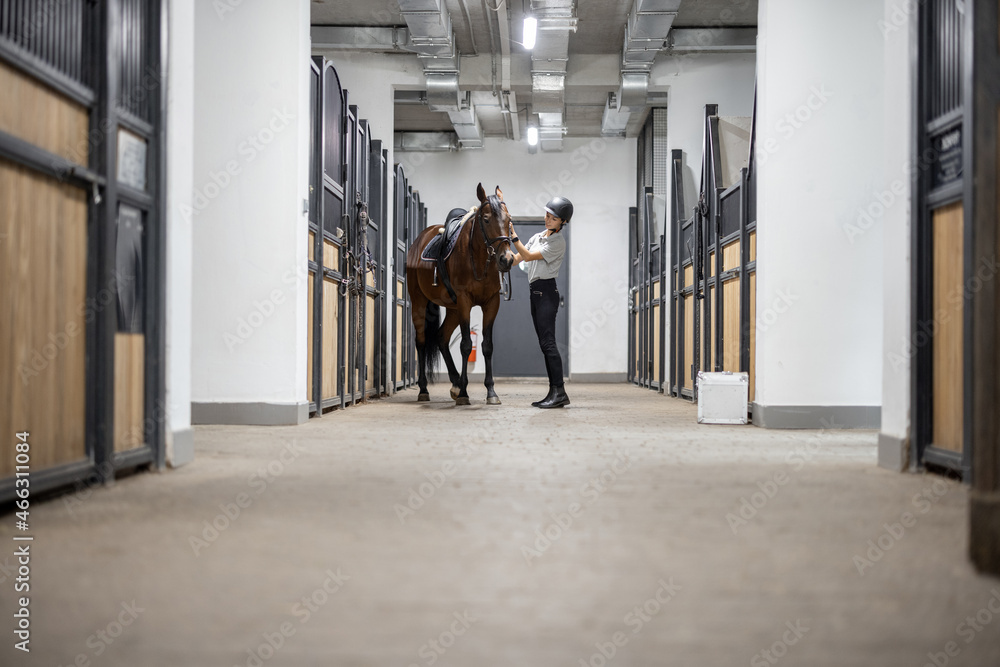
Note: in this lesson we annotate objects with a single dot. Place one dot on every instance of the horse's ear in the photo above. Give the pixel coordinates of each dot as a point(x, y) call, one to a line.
point(499, 193)
point(481, 193)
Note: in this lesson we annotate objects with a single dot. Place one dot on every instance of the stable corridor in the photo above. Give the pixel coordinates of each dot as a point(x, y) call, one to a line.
point(614, 532)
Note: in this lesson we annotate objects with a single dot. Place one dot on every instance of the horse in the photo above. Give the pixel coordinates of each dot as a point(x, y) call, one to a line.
point(481, 253)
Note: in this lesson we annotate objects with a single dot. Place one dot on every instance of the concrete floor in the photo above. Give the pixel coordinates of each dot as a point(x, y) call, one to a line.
point(327, 561)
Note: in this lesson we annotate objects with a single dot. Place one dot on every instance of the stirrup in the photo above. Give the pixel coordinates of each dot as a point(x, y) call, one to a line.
point(434, 282)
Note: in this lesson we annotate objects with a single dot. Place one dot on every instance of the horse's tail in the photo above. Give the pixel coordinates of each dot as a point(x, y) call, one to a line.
point(432, 339)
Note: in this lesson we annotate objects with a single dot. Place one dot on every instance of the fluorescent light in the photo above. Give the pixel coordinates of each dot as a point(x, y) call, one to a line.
point(530, 28)
point(532, 135)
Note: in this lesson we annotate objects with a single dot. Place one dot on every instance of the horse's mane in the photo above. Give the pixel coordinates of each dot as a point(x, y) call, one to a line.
point(496, 205)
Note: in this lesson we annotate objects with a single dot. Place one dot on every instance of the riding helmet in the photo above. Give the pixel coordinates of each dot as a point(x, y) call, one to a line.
point(561, 208)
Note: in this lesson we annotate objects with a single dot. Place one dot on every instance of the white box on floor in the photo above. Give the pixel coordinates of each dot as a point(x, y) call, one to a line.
point(722, 398)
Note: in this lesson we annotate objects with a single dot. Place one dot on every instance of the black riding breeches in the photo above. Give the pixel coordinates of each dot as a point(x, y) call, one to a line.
point(544, 305)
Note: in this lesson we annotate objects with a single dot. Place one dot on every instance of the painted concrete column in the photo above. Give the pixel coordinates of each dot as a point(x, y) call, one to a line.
point(247, 212)
point(180, 160)
point(894, 439)
point(820, 161)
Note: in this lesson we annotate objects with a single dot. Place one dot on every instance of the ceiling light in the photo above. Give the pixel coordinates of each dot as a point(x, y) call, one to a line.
point(530, 28)
point(532, 135)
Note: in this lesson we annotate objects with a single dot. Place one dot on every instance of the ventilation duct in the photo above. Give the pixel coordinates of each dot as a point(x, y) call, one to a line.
point(556, 19)
point(431, 37)
point(355, 38)
point(425, 142)
point(647, 28)
point(466, 122)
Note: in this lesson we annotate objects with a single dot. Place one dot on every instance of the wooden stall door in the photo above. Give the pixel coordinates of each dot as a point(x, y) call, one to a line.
point(43, 278)
point(948, 347)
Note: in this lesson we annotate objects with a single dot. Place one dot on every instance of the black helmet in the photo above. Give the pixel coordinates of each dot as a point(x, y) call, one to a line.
point(560, 207)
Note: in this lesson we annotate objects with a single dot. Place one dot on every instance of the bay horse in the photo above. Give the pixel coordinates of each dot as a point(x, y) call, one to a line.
point(482, 251)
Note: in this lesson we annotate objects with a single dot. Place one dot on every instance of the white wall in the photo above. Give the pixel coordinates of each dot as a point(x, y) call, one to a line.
point(180, 160)
point(598, 176)
point(821, 161)
point(691, 82)
point(898, 85)
point(250, 233)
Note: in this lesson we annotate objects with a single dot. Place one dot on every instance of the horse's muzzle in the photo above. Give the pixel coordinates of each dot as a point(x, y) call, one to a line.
point(505, 261)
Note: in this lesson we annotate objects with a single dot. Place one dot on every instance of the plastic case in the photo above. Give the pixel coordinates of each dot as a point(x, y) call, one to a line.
point(722, 397)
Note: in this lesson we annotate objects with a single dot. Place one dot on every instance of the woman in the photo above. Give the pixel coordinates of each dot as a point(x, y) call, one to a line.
point(543, 255)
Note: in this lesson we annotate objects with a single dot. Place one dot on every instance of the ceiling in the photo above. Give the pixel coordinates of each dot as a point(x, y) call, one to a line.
point(600, 32)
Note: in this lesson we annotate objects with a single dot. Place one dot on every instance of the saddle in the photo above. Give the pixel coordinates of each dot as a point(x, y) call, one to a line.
point(439, 249)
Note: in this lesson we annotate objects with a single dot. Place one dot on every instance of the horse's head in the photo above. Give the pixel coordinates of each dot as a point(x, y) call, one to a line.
point(496, 223)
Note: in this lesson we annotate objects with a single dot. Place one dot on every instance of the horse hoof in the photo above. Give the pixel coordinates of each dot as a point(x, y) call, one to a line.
point(455, 391)
point(492, 400)
point(462, 400)
point(423, 398)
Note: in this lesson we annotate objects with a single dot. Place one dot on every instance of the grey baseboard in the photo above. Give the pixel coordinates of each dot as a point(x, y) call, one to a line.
point(250, 414)
point(817, 416)
point(893, 452)
point(181, 449)
point(984, 533)
point(598, 378)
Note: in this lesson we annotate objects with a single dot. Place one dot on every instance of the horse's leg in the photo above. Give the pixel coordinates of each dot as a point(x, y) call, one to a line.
point(447, 329)
point(419, 312)
point(464, 309)
point(490, 311)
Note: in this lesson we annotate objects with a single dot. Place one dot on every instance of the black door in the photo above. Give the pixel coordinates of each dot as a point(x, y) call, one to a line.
point(515, 346)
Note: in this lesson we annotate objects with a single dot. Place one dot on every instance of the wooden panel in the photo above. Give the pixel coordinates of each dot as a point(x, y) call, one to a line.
point(331, 255)
point(312, 246)
point(656, 289)
point(731, 256)
point(711, 264)
point(753, 330)
point(370, 342)
point(399, 290)
point(310, 308)
point(43, 278)
point(635, 329)
point(129, 391)
point(656, 341)
point(638, 352)
point(753, 246)
point(709, 305)
point(688, 275)
point(685, 369)
point(31, 111)
point(731, 325)
point(331, 333)
point(947, 342)
point(398, 352)
point(370, 278)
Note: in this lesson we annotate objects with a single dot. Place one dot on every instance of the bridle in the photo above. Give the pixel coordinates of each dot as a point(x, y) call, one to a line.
point(490, 241)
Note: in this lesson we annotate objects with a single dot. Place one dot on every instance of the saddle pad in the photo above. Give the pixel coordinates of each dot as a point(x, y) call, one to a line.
point(433, 251)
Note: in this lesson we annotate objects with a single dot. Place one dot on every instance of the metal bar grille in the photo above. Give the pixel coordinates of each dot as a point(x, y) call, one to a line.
point(729, 210)
point(53, 31)
point(944, 65)
point(135, 59)
point(660, 152)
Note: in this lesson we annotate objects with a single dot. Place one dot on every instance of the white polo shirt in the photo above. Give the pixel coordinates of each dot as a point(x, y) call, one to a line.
point(553, 249)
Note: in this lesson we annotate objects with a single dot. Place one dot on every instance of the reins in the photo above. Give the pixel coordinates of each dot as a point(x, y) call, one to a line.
point(489, 242)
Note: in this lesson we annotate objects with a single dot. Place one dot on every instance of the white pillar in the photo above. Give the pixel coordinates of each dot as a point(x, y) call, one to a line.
point(821, 205)
point(893, 444)
point(180, 160)
point(251, 153)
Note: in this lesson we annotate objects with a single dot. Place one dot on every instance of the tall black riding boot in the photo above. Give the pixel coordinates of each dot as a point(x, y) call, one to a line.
point(548, 396)
point(557, 400)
